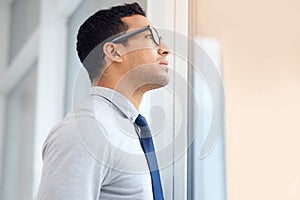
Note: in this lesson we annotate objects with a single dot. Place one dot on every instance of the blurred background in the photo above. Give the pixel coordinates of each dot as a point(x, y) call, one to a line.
point(261, 64)
point(255, 48)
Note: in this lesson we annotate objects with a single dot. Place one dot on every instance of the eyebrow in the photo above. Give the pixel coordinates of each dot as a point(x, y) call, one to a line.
point(130, 34)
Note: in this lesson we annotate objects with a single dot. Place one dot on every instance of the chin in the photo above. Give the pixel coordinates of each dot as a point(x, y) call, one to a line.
point(158, 83)
point(164, 81)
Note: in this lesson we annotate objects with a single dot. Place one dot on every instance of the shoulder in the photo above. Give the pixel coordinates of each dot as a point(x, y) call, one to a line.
point(77, 135)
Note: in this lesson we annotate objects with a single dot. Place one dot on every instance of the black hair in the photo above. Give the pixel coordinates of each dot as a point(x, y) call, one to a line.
point(96, 29)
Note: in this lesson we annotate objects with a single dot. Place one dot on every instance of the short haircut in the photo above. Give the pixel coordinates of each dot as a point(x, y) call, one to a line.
point(96, 29)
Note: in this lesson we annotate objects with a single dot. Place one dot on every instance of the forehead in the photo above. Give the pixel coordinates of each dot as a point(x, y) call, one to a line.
point(136, 21)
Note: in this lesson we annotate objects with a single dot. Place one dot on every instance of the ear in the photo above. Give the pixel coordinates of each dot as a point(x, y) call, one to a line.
point(111, 52)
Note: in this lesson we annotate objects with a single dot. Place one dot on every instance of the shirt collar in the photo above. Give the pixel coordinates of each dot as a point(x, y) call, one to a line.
point(118, 100)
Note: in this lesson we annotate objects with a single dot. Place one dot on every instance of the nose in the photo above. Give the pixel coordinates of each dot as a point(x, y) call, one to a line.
point(163, 49)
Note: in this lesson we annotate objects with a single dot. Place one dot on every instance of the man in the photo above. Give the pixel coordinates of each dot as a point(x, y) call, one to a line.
point(104, 149)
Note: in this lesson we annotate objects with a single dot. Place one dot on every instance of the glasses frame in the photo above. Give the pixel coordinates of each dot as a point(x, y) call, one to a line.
point(127, 35)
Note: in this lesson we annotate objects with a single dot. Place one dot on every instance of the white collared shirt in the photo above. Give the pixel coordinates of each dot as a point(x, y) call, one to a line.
point(95, 153)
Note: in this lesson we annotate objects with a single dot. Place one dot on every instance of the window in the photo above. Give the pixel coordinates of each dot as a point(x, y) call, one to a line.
point(18, 140)
point(18, 81)
point(24, 20)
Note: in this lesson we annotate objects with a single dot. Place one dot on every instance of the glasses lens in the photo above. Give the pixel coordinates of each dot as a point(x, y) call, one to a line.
point(155, 35)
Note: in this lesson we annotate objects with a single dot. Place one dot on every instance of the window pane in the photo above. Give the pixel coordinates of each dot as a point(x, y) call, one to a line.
point(18, 140)
point(207, 171)
point(24, 20)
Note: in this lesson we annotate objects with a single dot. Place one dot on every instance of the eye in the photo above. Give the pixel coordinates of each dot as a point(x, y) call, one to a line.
point(149, 36)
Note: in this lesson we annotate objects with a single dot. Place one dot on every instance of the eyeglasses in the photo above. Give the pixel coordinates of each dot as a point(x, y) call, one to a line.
point(154, 33)
point(154, 36)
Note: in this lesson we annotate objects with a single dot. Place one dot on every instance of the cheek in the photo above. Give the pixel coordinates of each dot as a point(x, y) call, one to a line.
point(140, 57)
point(146, 56)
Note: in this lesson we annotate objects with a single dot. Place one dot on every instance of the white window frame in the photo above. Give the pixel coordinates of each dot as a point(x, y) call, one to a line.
point(4, 32)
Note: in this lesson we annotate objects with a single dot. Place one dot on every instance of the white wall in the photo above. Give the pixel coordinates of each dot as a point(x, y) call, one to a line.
point(261, 44)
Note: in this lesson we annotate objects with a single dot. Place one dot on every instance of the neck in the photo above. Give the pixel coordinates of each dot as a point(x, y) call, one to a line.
point(135, 96)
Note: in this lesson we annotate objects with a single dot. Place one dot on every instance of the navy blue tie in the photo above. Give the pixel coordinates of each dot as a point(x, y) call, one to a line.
point(148, 148)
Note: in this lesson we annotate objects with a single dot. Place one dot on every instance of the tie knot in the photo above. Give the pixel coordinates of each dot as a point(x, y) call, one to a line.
point(141, 120)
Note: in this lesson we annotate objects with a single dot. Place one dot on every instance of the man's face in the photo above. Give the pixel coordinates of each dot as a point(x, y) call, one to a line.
point(144, 61)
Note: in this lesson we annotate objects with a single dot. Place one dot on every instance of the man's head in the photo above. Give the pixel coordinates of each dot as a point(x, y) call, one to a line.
point(121, 40)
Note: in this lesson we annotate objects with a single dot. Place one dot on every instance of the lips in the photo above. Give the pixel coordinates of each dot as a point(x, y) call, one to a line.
point(164, 62)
